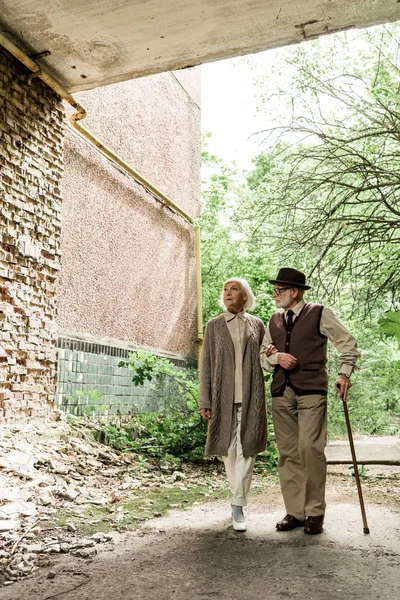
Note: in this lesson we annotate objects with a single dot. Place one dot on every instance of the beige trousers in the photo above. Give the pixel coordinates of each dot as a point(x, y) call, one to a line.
point(238, 468)
point(300, 424)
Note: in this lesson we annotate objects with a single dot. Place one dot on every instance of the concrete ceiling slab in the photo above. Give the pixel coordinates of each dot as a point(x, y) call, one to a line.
point(92, 43)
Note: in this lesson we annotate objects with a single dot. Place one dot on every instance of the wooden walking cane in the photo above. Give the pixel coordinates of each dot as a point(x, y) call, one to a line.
point(353, 456)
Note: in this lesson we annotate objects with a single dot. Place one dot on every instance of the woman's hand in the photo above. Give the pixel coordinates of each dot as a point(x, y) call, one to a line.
point(206, 413)
point(270, 349)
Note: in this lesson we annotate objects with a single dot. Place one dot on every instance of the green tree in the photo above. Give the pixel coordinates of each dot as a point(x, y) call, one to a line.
point(331, 171)
point(226, 252)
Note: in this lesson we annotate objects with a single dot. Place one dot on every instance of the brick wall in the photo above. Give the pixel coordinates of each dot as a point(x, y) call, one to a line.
point(31, 137)
point(128, 264)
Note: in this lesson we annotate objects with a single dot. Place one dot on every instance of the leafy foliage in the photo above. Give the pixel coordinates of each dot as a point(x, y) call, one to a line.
point(142, 365)
point(146, 366)
point(374, 398)
point(268, 460)
point(226, 252)
point(178, 430)
point(332, 163)
point(390, 325)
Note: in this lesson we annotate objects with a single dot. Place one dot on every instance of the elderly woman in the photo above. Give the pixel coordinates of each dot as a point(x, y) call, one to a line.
point(232, 391)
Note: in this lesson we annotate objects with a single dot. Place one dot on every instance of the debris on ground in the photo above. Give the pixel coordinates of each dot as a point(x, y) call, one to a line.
point(56, 467)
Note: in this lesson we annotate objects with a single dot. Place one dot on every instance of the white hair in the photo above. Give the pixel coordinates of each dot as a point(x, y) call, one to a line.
point(250, 302)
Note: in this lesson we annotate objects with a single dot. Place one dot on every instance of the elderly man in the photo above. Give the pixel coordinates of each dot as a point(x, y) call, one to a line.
point(294, 348)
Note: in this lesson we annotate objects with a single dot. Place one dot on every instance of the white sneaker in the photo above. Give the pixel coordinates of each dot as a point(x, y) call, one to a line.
point(238, 521)
point(238, 526)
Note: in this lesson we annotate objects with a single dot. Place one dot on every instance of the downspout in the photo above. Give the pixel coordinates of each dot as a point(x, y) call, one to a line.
point(116, 160)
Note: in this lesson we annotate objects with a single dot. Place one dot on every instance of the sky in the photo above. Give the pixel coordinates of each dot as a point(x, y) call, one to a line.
point(229, 107)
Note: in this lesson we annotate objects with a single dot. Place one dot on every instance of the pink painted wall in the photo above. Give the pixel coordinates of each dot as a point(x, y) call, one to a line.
point(128, 264)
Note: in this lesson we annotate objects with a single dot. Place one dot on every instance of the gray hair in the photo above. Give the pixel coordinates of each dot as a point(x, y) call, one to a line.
point(250, 303)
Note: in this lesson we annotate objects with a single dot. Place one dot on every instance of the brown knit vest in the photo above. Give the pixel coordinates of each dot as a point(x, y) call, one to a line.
point(308, 345)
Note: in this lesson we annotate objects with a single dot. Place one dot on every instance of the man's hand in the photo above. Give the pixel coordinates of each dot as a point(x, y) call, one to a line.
point(270, 350)
point(342, 385)
point(206, 413)
point(287, 361)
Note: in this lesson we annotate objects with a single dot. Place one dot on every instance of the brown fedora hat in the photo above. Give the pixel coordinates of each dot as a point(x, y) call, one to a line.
point(291, 278)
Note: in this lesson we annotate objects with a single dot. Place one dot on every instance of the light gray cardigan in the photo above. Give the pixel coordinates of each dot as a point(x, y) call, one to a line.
point(217, 387)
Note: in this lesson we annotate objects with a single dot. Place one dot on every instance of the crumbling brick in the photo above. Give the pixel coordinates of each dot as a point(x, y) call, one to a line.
point(31, 166)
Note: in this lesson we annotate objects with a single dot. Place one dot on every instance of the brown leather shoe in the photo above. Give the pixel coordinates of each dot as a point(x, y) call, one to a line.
point(313, 525)
point(288, 523)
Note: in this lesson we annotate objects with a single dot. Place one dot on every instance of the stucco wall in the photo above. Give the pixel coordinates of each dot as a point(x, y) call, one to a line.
point(128, 267)
point(31, 130)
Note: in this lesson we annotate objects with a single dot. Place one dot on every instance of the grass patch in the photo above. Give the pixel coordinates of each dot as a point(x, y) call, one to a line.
point(161, 500)
point(127, 514)
point(93, 520)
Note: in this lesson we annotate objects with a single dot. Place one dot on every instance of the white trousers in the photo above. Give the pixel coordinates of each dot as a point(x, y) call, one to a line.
point(238, 468)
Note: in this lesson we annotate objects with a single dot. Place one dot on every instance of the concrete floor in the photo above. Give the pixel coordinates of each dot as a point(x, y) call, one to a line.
point(194, 554)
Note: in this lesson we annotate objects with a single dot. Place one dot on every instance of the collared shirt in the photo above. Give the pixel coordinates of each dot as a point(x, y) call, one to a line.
point(333, 329)
point(236, 324)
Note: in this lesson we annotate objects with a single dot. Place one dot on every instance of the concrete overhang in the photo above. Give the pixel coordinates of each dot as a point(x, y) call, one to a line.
point(86, 44)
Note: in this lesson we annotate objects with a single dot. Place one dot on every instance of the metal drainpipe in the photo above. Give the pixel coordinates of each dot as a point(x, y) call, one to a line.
point(114, 158)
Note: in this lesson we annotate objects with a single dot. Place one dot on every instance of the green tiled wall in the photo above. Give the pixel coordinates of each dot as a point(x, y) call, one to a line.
point(90, 381)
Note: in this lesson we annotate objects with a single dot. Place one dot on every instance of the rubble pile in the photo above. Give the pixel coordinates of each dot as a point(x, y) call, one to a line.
point(55, 468)
point(46, 469)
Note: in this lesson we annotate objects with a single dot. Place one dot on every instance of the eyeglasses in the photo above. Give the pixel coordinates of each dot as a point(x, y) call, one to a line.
point(278, 291)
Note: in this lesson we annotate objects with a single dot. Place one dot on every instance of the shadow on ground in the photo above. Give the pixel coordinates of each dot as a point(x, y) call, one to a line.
point(194, 554)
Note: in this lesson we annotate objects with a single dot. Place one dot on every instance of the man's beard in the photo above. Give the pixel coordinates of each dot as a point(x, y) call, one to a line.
point(284, 303)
